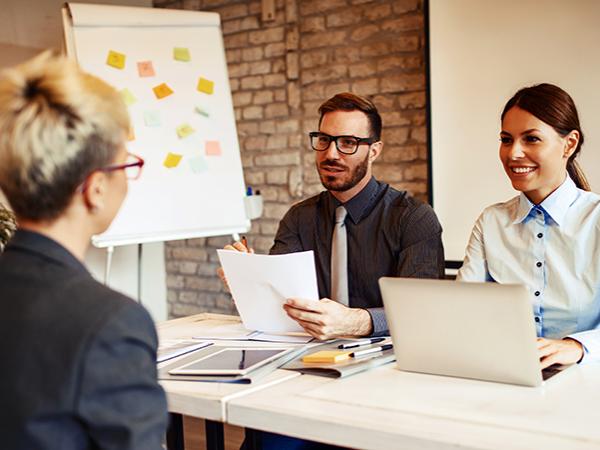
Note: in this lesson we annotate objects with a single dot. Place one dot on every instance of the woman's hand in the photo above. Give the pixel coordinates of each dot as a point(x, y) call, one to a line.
point(559, 351)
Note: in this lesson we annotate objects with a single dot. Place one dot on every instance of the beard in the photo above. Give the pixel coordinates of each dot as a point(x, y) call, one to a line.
point(344, 180)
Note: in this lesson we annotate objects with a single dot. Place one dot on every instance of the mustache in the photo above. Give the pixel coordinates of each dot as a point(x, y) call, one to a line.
point(332, 164)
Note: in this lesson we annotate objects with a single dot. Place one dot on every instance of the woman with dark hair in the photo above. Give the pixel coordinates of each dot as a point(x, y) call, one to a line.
point(546, 238)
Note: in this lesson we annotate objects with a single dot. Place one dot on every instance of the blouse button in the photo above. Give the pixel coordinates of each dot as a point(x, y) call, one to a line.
point(537, 319)
point(539, 264)
point(537, 293)
point(540, 235)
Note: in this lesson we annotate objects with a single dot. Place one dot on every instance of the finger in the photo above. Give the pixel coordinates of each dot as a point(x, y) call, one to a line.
point(306, 305)
point(314, 330)
point(550, 360)
point(240, 247)
point(541, 343)
point(546, 351)
point(305, 316)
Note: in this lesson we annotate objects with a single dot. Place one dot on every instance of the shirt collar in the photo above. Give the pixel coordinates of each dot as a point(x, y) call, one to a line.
point(45, 247)
point(555, 205)
point(358, 204)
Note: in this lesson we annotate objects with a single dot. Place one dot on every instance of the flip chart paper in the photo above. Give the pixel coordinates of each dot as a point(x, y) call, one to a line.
point(213, 148)
point(206, 86)
point(152, 118)
point(116, 60)
point(184, 130)
point(260, 285)
point(128, 96)
point(181, 54)
point(145, 69)
point(162, 91)
point(172, 160)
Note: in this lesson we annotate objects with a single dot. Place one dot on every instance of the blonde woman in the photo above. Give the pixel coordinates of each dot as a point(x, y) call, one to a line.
point(78, 358)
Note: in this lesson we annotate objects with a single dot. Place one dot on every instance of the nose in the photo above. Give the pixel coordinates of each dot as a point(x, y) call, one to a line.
point(516, 151)
point(332, 151)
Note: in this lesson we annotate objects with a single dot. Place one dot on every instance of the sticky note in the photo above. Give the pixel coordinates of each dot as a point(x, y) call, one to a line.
point(172, 160)
point(152, 118)
point(128, 97)
point(202, 111)
point(145, 68)
point(162, 91)
point(198, 164)
point(326, 356)
point(115, 59)
point(181, 54)
point(131, 135)
point(213, 148)
point(184, 130)
point(205, 86)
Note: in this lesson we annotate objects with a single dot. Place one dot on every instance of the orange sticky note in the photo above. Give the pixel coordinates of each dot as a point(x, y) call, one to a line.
point(181, 54)
point(172, 160)
point(115, 59)
point(326, 356)
point(145, 69)
point(213, 148)
point(131, 135)
point(205, 86)
point(162, 91)
point(184, 130)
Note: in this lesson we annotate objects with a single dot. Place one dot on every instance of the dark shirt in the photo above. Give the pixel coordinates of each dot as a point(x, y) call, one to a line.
point(389, 233)
point(78, 359)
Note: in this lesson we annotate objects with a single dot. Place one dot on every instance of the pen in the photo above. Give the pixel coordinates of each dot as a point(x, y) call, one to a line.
point(371, 350)
point(361, 343)
point(245, 242)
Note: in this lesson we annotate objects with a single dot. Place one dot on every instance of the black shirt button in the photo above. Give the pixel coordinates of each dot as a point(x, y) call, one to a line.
point(537, 293)
point(537, 319)
point(540, 235)
point(539, 264)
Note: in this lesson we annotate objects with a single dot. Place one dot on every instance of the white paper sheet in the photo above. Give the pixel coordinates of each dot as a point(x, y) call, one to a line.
point(260, 284)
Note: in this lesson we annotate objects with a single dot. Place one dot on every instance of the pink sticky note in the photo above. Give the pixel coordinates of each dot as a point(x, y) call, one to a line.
point(213, 148)
point(145, 69)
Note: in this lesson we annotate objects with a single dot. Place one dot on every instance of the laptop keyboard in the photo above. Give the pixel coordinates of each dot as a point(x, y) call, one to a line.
point(549, 372)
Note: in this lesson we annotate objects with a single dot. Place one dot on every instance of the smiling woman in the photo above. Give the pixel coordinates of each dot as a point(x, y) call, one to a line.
point(548, 237)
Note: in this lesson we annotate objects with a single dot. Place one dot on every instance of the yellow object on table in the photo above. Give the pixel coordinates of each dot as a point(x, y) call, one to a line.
point(327, 356)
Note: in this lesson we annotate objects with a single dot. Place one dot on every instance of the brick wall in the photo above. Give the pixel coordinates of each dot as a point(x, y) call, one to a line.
point(280, 72)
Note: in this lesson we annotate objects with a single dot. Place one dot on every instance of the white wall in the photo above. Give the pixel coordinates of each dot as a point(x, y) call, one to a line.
point(26, 28)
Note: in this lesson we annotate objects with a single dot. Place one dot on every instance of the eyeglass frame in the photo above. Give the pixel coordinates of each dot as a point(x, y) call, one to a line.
point(359, 141)
point(114, 167)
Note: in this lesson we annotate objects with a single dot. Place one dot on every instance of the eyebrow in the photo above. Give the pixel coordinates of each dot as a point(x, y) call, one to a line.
point(524, 132)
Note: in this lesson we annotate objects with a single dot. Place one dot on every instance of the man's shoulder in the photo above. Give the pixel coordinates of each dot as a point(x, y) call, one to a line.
point(404, 200)
point(305, 207)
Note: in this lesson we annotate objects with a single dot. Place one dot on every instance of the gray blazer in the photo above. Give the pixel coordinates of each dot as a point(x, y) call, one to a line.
point(78, 359)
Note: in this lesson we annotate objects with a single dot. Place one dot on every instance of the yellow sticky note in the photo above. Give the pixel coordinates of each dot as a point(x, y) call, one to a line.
point(181, 54)
point(213, 148)
point(145, 69)
point(326, 356)
point(184, 130)
point(172, 160)
point(128, 97)
point(205, 86)
point(115, 59)
point(162, 91)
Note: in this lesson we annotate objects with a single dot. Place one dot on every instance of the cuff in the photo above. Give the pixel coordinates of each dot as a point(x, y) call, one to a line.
point(380, 326)
point(590, 340)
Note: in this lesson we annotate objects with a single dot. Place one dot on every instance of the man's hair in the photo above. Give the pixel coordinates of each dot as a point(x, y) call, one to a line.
point(347, 101)
point(57, 125)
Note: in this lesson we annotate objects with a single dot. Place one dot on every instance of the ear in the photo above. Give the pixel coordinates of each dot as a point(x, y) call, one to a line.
point(571, 142)
point(95, 192)
point(375, 151)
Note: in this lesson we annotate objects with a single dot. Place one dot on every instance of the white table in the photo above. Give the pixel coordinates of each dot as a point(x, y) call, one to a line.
point(386, 408)
point(208, 400)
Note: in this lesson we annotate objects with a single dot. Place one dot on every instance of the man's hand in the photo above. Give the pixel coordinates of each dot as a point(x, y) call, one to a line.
point(237, 246)
point(327, 319)
point(559, 351)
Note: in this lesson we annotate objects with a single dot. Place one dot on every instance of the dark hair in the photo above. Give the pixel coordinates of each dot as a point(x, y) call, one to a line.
point(553, 106)
point(346, 101)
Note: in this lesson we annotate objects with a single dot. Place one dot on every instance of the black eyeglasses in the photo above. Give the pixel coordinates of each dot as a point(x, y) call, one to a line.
point(348, 145)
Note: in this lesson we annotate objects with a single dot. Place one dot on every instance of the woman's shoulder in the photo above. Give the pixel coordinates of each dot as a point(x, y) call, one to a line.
point(500, 211)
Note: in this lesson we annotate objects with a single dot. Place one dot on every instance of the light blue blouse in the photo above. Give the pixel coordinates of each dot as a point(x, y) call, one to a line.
point(553, 249)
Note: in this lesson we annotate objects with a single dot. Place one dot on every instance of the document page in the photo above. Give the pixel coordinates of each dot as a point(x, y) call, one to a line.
point(260, 285)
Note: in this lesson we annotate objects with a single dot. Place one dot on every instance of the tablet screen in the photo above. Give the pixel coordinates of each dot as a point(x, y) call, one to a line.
point(230, 361)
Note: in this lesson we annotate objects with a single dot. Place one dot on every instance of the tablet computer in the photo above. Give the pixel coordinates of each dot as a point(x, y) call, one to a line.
point(231, 361)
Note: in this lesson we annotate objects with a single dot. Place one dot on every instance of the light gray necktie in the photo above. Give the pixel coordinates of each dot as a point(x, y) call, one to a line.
point(339, 259)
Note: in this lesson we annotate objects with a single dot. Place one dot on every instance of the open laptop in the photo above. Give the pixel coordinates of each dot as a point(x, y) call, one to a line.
point(484, 331)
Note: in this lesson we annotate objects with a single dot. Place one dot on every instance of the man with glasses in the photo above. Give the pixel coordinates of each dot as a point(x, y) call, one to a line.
point(359, 228)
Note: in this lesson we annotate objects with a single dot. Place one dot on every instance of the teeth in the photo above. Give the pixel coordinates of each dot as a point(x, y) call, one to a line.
point(522, 169)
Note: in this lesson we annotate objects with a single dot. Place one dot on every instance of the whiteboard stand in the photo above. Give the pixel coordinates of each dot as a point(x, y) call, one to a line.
point(139, 274)
point(109, 253)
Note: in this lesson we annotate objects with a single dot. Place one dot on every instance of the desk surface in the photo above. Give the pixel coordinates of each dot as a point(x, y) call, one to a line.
point(208, 400)
point(386, 408)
